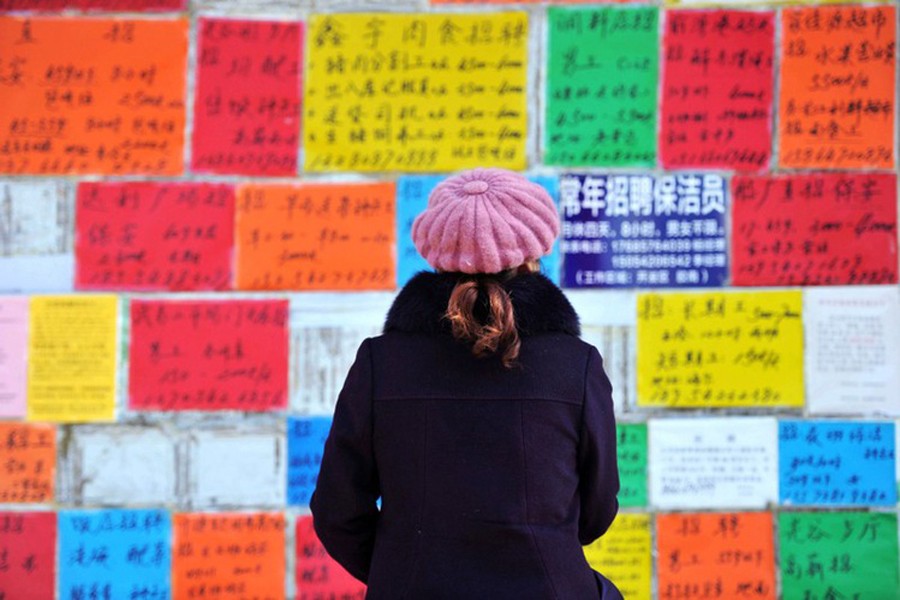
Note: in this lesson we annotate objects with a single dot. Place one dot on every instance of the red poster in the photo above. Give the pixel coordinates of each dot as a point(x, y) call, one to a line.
point(154, 236)
point(815, 229)
point(318, 575)
point(94, 5)
point(717, 89)
point(247, 110)
point(27, 554)
point(208, 355)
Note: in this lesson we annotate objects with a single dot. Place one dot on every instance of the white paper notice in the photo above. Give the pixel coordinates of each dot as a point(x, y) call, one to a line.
point(46, 274)
point(219, 459)
point(115, 465)
point(36, 236)
point(326, 331)
point(36, 218)
point(853, 350)
point(13, 355)
point(607, 307)
point(607, 322)
point(725, 462)
point(616, 346)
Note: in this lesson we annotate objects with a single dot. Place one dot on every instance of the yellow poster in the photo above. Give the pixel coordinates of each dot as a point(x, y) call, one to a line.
point(416, 93)
point(624, 555)
point(720, 349)
point(72, 358)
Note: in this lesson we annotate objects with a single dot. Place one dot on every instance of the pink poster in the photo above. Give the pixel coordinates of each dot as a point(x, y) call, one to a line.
point(13, 355)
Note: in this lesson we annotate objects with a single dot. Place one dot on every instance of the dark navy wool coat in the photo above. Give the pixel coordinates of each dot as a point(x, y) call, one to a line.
point(490, 479)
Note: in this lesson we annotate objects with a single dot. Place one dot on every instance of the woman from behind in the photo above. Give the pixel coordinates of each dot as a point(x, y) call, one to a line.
point(479, 418)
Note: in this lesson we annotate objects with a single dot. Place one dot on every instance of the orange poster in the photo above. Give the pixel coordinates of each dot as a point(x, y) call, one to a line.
point(837, 87)
point(27, 463)
point(228, 556)
point(316, 237)
point(716, 555)
point(92, 96)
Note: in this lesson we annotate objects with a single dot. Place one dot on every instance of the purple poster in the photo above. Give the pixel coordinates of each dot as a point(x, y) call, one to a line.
point(643, 231)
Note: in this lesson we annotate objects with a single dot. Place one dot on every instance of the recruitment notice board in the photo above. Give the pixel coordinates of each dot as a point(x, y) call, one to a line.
point(206, 206)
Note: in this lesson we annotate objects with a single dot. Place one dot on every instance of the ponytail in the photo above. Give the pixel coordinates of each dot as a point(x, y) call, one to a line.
point(495, 332)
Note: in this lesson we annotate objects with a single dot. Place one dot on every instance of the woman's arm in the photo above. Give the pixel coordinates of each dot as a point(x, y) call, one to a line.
point(343, 505)
point(597, 463)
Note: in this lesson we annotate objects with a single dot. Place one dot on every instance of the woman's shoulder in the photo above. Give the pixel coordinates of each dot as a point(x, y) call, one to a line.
point(549, 353)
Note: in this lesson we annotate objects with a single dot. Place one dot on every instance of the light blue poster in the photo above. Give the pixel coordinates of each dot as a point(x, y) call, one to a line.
point(306, 442)
point(412, 198)
point(837, 463)
point(111, 554)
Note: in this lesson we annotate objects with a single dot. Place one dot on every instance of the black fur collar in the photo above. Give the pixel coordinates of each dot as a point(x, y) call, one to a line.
point(539, 306)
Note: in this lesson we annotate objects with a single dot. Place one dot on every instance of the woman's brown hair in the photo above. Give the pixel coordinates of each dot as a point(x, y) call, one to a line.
point(481, 313)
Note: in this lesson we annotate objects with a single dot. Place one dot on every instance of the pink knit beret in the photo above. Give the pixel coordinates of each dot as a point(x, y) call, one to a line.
point(485, 221)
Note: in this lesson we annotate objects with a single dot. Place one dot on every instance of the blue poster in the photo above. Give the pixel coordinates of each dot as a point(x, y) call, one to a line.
point(412, 198)
point(112, 554)
point(306, 442)
point(836, 463)
point(641, 231)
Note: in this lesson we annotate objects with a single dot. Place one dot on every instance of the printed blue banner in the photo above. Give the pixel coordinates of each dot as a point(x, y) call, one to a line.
point(306, 441)
point(115, 554)
point(837, 463)
point(412, 198)
point(639, 231)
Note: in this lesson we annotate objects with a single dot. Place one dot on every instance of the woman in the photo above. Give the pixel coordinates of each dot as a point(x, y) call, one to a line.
point(479, 418)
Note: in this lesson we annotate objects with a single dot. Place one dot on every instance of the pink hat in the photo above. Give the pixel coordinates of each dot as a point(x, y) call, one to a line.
point(485, 221)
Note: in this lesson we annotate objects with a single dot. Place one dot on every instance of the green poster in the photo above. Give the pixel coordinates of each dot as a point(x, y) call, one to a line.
point(602, 73)
point(632, 457)
point(850, 555)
